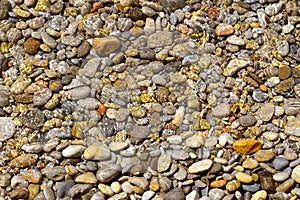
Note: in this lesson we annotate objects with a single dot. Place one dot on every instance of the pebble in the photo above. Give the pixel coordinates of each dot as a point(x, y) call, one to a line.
point(247, 120)
point(279, 163)
point(235, 65)
point(105, 46)
point(259, 195)
point(32, 175)
point(200, 166)
point(296, 174)
point(7, 128)
point(264, 155)
point(247, 146)
point(176, 193)
point(25, 160)
point(266, 181)
point(107, 173)
point(216, 193)
point(73, 151)
point(87, 177)
point(235, 40)
point(280, 176)
point(250, 163)
point(243, 177)
point(221, 110)
point(224, 29)
point(140, 182)
point(285, 186)
point(64, 188)
point(266, 111)
point(97, 152)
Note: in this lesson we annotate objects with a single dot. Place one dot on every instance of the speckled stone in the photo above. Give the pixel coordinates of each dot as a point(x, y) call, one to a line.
point(200, 166)
point(264, 155)
point(296, 174)
point(97, 152)
point(224, 29)
point(7, 128)
point(105, 46)
point(87, 177)
point(24, 160)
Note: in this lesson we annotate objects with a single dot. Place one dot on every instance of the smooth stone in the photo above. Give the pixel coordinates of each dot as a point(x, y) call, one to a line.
point(259, 96)
point(164, 162)
point(105, 189)
point(218, 183)
point(78, 190)
point(200, 166)
point(216, 194)
point(193, 195)
point(260, 195)
point(296, 174)
point(247, 120)
point(160, 39)
point(107, 173)
point(5, 180)
point(266, 111)
point(176, 193)
point(87, 177)
point(118, 146)
point(235, 40)
point(280, 176)
point(264, 155)
point(90, 68)
point(73, 151)
point(285, 186)
point(235, 65)
point(7, 128)
point(251, 188)
point(106, 45)
point(271, 136)
point(243, 177)
point(224, 29)
point(148, 195)
point(222, 110)
point(247, 146)
point(279, 163)
point(284, 72)
point(116, 187)
point(19, 193)
point(250, 163)
point(140, 182)
point(64, 187)
point(97, 152)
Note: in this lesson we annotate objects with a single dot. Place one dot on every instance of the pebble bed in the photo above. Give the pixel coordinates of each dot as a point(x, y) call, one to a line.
point(163, 100)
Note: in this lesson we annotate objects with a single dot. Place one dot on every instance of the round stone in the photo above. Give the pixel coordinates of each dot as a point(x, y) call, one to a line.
point(247, 120)
point(216, 194)
point(260, 195)
point(224, 29)
point(87, 177)
point(280, 176)
point(279, 163)
point(250, 163)
point(284, 72)
point(73, 151)
point(176, 193)
point(32, 46)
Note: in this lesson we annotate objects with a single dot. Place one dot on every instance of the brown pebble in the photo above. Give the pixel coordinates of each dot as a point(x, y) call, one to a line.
point(284, 72)
point(31, 46)
point(218, 183)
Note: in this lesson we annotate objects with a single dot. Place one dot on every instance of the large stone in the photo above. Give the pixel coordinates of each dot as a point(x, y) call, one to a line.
point(97, 152)
point(200, 166)
point(247, 146)
point(105, 46)
point(24, 160)
point(222, 110)
point(224, 29)
point(235, 65)
point(296, 174)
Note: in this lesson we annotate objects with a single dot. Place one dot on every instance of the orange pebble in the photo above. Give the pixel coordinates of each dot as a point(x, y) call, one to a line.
point(102, 109)
point(96, 6)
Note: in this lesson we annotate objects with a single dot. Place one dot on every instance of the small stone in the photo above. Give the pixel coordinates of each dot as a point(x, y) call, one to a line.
point(279, 163)
point(148, 195)
point(5, 180)
point(218, 183)
point(259, 195)
point(285, 85)
point(97, 152)
point(271, 136)
point(7, 128)
point(116, 187)
point(260, 96)
point(250, 163)
point(233, 185)
point(24, 160)
point(200, 166)
point(264, 155)
point(194, 141)
point(291, 106)
point(48, 40)
point(4, 8)
point(78, 190)
point(266, 111)
point(42, 97)
point(83, 49)
point(251, 188)
point(235, 40)
point(172, 5)
point(176, 193)
point(107, 173)
point(73, 151)
point(139, 181)
point(106, 45)
point(243, 177)
point(222, 110)
point(164, 162)
point(281, 176)
point(19, 193)
point(32, 175)
point(296, 174)
point(105, 189)
point(235, 65)
point(224, 29)
point(90, 68)
point(32, 46)
point(216, 194)
point(247, 120)
point(148, 11)
point(266, 181)
point(247, 146)
point(87, 177)
point(284, 72)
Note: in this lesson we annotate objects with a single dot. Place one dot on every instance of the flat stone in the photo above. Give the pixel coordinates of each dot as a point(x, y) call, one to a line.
point(73, 151)
point(160, 39)
point(264, 155)
point(284, 72)
point(291, 106)
point(224, 29)
point(280, 176)
point(24, 160)
point(266, 111)
point(90, 68)
point(296, 174)
point(235, 65)
point(97, 152)
point(64, 187)
point(195, 141)
point(279, 163)
point(105, 189)
point(235, 40)
point(247, 120)
point(139, 181)
point(107, 173)
point(250, 163)
point(7, 128)
point(200, 166)
point(87, 177)
point(266, 181)
point(221, 110)
point(106, 45)
point(271, 136)
point(32, 175)
point(247, 146)
point(78, 190)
